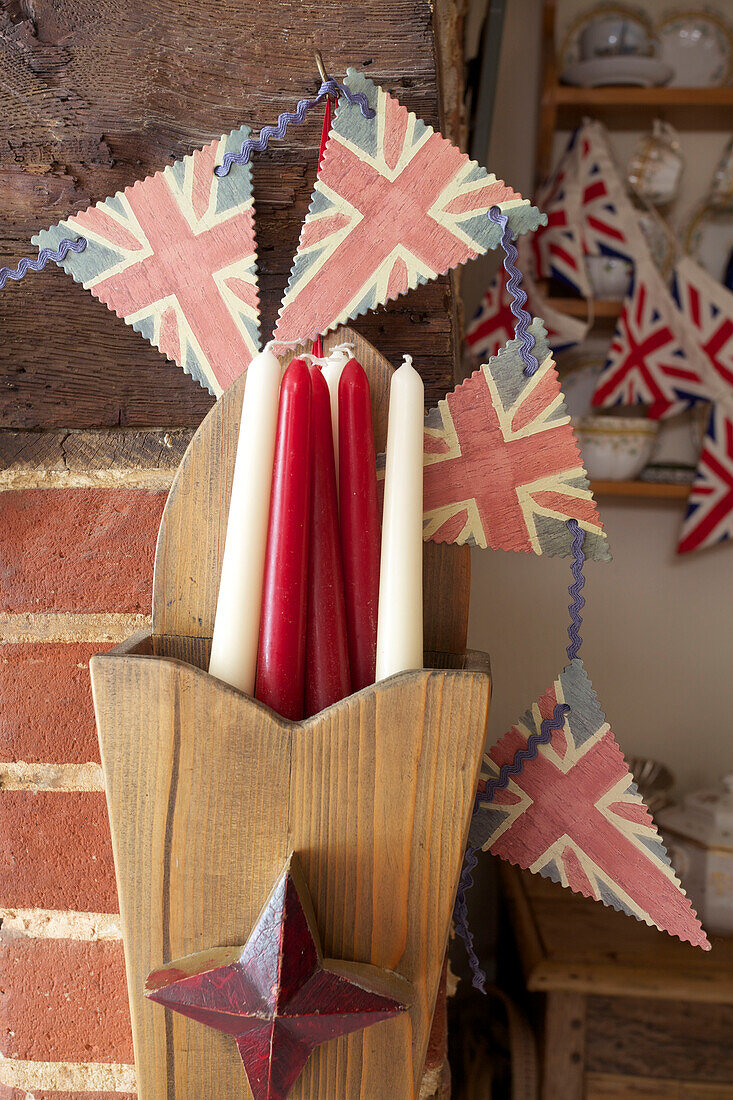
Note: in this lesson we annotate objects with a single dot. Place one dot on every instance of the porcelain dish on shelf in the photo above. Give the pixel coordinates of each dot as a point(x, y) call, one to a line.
point(615, 448)
point(698, 46)
point(605, 30)
point(642, 72)
point(708, 238)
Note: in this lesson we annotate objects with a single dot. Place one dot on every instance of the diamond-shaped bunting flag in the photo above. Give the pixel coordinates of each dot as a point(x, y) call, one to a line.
point(395, 204)
point(175, 257)
point(574, 814)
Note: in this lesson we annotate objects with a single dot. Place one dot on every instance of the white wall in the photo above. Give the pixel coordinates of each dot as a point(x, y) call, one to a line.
point(658, 629)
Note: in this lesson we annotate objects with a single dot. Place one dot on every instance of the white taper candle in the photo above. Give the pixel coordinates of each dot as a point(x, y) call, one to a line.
point(332, 371)
point(237, 623)
point(400, 616)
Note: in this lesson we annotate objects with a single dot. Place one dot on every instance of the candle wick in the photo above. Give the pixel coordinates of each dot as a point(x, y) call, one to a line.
point(406, 360)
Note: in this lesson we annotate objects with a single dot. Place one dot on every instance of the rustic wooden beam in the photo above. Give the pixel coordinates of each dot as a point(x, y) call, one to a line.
point(105, 97)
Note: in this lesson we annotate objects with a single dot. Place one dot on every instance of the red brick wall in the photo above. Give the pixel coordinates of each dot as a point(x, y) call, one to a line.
point(76, 562)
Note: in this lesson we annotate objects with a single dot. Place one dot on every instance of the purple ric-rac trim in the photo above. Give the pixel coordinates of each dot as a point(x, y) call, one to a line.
point(38, 263)
point(578, 601)
point(506, 771)
point(516, 293)
point(521, 756)
point(460, 919)
point(259, 144)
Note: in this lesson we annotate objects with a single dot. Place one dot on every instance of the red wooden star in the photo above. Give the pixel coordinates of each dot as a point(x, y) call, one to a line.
point(277, 995)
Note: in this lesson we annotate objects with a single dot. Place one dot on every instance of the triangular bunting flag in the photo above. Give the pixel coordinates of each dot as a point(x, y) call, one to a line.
point(175, 257)
point(609, 225)
point(708, 307)
point(493, 323)
point(574, 814)
point(502, 465)
point(395, 204)
point(556, 249)
point(709, 516)
point(651, 360)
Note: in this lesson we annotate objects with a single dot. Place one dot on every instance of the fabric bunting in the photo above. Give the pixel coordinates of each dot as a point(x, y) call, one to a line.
point(670, 354)
point(608, 218)
point(493, 324)
point(175, 257)
point(651, 361)
point(556, 250)
point(574, 814)
point(395, 205)
point(502, 466)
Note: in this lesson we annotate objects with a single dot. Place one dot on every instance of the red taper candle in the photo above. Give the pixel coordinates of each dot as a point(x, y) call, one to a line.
point(327, 677)
point(360, 538)
point(281, 654)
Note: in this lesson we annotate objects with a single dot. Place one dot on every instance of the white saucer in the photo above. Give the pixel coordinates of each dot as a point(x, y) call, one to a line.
point(646, 72)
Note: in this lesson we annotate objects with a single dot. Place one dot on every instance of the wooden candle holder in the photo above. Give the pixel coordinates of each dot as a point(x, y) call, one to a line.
point(209, 792)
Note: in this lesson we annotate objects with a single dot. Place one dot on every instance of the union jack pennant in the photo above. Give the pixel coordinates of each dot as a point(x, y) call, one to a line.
point(709, 516)
point(556, 248)
point(708, 306)
point(493, 324)
point(175, 256)
point(574, 814)
point(650, 360)
point(502, 466)
point(608, 220)
point(395, 204)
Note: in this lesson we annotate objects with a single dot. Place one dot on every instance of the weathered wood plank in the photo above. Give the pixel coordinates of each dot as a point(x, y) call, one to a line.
point(196, 858)
point(577, 945)
point(612, 1086)
point(103, 459)
point(564, 1047)
point(679, 1039)
point(106, 93)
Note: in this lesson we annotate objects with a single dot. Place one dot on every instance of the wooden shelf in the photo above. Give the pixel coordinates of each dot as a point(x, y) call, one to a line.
point(648, 490)
point(623, 96)
point(578, 307)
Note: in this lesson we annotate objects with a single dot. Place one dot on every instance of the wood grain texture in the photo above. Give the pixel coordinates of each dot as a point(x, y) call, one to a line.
point(368, 823)
point(571, 943)
point(629, 1035)
point(395, 203)
point(174, 256)
point(613, 1086)
point(192, 533)
point(564, 1047)
point(276, 995)
point(105, 94)
point(574, 814)
point(502, 468)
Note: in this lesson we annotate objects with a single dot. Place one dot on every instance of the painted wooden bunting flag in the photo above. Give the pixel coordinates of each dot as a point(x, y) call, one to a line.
point(573, 814)
point(174, 256)
point(395, 204)
point(502, 465)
